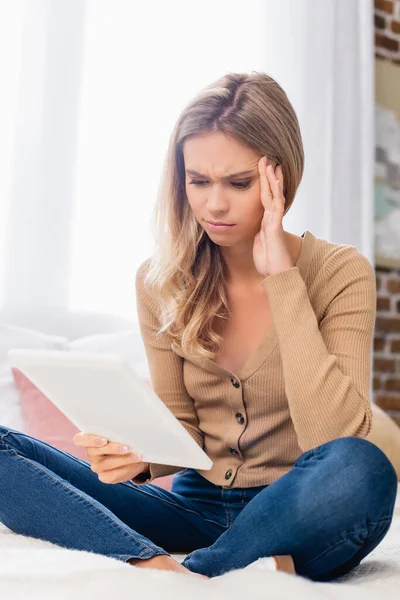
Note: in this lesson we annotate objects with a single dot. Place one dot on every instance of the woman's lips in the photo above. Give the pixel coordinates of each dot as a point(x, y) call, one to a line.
point(218, 227)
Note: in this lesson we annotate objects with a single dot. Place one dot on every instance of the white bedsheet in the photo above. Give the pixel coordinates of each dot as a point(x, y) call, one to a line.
point(35, 569)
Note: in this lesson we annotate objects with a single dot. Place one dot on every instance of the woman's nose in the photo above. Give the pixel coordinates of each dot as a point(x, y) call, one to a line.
point(216, 199)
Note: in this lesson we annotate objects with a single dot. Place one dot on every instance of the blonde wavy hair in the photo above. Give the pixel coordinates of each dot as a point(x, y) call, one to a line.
point(187, 273)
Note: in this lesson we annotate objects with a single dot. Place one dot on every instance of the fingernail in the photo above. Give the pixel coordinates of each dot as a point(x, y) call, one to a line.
point(123, 448)
point(136, 457)
point(101, 441)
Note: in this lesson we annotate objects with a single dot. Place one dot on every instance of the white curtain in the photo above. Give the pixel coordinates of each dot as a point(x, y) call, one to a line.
point(90, 93)
point(322, 53)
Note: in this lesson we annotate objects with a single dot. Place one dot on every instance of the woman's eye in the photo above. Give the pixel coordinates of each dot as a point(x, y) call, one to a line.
point(242, 186)
point(238, 185)
point(196, 182)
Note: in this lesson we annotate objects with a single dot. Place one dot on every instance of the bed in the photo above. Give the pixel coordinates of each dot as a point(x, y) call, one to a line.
point(37, 569)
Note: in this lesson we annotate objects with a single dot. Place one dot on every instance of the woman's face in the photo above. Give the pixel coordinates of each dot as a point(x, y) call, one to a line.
point(214, 194)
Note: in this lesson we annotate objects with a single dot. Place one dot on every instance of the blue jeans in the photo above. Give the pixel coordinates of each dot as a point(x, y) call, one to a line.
point(328, 512)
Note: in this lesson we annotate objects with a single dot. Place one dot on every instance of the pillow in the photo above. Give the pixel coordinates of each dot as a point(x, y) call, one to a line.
point(386, 435)
point(10, 402)
point(13, 336)
point(127, 344)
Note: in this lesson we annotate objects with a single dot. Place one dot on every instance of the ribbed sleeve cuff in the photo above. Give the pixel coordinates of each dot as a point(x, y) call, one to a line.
point(155, 470)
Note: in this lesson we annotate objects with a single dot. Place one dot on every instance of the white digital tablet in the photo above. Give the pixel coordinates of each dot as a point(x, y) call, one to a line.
point(101, 394)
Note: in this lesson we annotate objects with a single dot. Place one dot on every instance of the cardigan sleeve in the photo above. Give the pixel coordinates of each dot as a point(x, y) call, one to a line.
point(327, 361)
point(166, 373)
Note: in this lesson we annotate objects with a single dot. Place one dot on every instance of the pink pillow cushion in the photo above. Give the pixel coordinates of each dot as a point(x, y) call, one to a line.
point(44, 421)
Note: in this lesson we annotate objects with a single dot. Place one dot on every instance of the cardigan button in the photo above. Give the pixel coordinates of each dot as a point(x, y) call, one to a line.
point(240, 418)
point(235, 382)
point(228, 474)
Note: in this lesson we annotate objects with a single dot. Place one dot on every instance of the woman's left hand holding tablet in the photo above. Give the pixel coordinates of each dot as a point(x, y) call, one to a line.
point(108, 459)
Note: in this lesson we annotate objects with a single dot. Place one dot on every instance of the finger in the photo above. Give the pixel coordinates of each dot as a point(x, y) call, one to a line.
point(273, 181)
point(88, 439)
point(278, 187)
point(121, 474)
point(110, 448)
point(265, 190)
point(280, 176)
point(113, 462)
point(274, 185)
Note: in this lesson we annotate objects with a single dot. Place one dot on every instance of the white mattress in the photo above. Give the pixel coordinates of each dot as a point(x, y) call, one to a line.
point(36, 569)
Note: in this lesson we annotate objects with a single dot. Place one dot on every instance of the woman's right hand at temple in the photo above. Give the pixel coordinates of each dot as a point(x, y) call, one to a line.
point(111, 464)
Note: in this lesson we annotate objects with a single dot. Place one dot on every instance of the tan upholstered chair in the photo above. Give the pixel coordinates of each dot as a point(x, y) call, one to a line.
point(386, 435)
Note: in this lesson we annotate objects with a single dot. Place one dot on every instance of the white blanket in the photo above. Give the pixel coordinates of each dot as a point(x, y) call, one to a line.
point(36, 569)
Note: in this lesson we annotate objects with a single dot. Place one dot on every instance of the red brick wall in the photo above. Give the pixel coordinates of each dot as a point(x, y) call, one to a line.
point(387, 29)
point(386, 376)
point(387, 343)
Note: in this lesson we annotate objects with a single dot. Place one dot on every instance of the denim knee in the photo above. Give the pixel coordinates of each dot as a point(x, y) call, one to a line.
point(368, 467)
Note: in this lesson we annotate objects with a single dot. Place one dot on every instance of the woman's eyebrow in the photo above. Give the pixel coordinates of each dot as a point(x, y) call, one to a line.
point(192, 172)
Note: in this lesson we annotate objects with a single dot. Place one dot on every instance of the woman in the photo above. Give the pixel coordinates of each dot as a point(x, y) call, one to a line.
point(259, 342)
